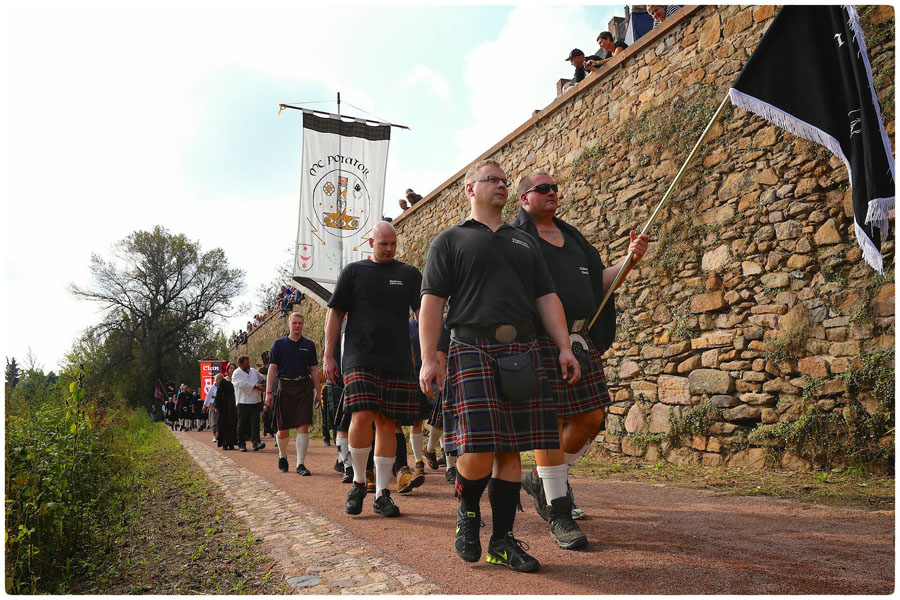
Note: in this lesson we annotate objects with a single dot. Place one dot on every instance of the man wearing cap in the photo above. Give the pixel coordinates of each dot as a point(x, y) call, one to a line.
point(376, 294)
point(581, 281)
point(497, 402)
point(576, 58)
point(293, 361)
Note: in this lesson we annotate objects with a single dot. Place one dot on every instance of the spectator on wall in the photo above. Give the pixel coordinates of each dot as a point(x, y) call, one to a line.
point(403, 204)
point(412, 197)
point(661, 12)
point(576, 58)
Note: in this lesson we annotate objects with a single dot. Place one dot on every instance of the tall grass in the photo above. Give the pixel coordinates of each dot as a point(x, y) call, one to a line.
point(66, 458)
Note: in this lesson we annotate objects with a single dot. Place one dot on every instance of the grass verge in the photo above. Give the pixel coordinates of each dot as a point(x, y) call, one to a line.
point(850, 488)
point(177, 533)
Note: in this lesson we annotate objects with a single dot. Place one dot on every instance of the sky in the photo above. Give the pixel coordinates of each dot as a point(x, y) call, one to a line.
point(125, 115)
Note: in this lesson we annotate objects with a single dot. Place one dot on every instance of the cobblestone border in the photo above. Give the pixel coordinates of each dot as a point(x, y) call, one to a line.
point(304, 543)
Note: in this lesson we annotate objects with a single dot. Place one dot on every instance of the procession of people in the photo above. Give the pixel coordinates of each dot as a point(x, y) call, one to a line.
point(494, 345)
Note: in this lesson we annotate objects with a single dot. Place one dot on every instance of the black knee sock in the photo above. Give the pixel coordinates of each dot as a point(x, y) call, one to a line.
point(470, 492)
point(400, 459)
point(504, 497)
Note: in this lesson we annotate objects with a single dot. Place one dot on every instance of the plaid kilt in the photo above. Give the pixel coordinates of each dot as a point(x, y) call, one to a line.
point(587, 394)
point(391, 394)
point(436, 419)
point(478, 419)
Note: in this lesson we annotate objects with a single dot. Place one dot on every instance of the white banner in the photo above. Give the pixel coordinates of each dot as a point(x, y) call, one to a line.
point(341, 196)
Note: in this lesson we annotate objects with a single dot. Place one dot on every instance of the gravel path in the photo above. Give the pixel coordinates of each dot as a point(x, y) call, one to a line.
point(645, 539)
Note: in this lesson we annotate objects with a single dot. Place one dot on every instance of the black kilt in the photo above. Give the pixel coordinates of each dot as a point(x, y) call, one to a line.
point(587, 394)
point(391, 394)
point(477, 418)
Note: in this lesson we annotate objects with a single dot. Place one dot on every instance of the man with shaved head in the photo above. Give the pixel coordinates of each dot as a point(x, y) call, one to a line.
point(377, 295)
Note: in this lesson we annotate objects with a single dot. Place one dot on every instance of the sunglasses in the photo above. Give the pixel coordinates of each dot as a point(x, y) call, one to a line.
point(543, 188)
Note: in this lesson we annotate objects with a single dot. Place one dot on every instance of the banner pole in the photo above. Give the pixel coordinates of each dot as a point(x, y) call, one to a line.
point(659, 208)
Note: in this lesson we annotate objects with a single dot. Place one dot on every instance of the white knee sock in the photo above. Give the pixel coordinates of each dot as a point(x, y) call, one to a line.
point(415, 440)
point(280, 443)
point(451, 460)
point(554, 479)
point(342, 444)
point(383, 466)
point(302, 445)
point(571, 458)
point(434, 438)
point(358, 458)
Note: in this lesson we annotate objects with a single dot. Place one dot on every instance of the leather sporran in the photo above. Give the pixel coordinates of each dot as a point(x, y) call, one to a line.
point(516, 377)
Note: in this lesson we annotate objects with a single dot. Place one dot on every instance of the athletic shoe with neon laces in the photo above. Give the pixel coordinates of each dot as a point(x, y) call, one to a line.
point(510, 552)
point(534, 487)
point(355, 498)
point(384, 506)
point(577, 513)
point(563, 529)
point(468, 525)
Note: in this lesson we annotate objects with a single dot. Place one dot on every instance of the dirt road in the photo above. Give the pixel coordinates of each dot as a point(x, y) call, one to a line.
point(645, 539)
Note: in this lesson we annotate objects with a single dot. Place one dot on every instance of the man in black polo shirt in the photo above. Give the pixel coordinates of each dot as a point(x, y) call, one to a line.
point(376, 294)
point(581, 280)
point(293, 360)
point(498, 286)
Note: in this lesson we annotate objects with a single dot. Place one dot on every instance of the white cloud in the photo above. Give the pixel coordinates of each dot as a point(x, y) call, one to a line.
point(516, 73)
point(423, 77)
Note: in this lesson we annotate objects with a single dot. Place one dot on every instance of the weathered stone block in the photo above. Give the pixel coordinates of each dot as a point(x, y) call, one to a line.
point(827, 234)
point(743, 412)
point(710, 381)
point(628, 369)
point(715, 260)
point(883, 301)
point(686, 366)
point(673, 390)
point(635, 421)
point(659, 417)
point(755, 458)
point(630, 448)
point(757, 399)
point(711, 31)
point(708, 302)
point(814, 366)
point(788, 230)
point(794, 462)
point(644, 390)
point(712, 340)
point(723, 401)
point(775, 280)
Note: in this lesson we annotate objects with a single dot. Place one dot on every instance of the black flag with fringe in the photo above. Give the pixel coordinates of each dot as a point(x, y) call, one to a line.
point(810, 75)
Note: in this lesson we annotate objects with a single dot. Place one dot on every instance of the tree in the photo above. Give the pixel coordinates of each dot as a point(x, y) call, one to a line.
point(12, 374)
point(159, 292)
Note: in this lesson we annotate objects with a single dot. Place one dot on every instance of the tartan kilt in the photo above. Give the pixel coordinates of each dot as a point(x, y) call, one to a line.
point(477, 418)
point(587, 394)
point(436, 419)
point(391, 394)
point(332, 402)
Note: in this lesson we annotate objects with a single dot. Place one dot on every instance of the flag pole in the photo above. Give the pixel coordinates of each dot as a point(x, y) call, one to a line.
point(659, 208)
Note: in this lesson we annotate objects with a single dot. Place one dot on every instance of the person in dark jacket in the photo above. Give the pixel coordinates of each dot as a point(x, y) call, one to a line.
point(581, 281)
point(225, 405)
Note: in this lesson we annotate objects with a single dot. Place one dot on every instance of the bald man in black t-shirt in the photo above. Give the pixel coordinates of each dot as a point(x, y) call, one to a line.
point(581, 281)
point(377, 295)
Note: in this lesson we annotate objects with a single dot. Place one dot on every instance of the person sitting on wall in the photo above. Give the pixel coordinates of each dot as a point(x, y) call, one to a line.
point(605, 40)
point(576, 58)
point(404, 205)
point(661, 12)
point(412, 197)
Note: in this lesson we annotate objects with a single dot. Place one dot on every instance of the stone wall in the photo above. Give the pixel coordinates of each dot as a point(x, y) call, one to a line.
point(752, 332)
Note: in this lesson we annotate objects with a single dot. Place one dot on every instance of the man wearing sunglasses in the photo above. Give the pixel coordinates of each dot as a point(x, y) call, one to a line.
point(498, 286)
point(581, 281)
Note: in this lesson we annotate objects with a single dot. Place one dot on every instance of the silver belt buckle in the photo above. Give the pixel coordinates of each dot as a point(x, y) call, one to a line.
point(578, 325)
point(505, 334)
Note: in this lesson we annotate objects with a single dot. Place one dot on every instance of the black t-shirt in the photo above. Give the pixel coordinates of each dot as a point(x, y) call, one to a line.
point(489, 277)
point(294, 359)
point(571, 274)
point(580, 74)
point(377, 298)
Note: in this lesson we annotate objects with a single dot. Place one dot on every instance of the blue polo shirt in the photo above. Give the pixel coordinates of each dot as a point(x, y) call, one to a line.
point(294, 359)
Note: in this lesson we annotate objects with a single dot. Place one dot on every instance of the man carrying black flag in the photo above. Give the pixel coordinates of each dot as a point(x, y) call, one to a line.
point(811, 76)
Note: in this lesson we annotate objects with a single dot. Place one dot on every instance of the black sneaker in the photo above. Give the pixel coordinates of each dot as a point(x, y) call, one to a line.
point(468, 525)
point(355, 498)
point(243, 448)
point(510, 552)
point(339, 466)
point(451, 475)
point(563, 529)
point(302, 470)
point(348, 473)
point(534, 487)
point(258, 447)
point(384, 506)
point(282, 464)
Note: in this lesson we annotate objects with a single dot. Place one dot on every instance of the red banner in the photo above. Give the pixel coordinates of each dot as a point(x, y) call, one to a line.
point(208, 371)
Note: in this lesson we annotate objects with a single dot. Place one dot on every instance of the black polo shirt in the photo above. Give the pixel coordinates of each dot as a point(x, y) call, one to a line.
point(294, 359)
point(377, 298)
point(489, 277)
point(571, 274)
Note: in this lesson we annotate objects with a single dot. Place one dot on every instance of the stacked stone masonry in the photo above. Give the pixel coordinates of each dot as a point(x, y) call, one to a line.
point(753, 298)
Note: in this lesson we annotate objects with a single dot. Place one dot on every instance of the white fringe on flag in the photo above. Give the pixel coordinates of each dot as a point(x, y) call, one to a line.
point(879, 214)
point(800, 128)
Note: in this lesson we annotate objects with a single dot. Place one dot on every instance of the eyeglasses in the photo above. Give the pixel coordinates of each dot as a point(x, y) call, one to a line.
point(543, 188)
point(494, 180)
